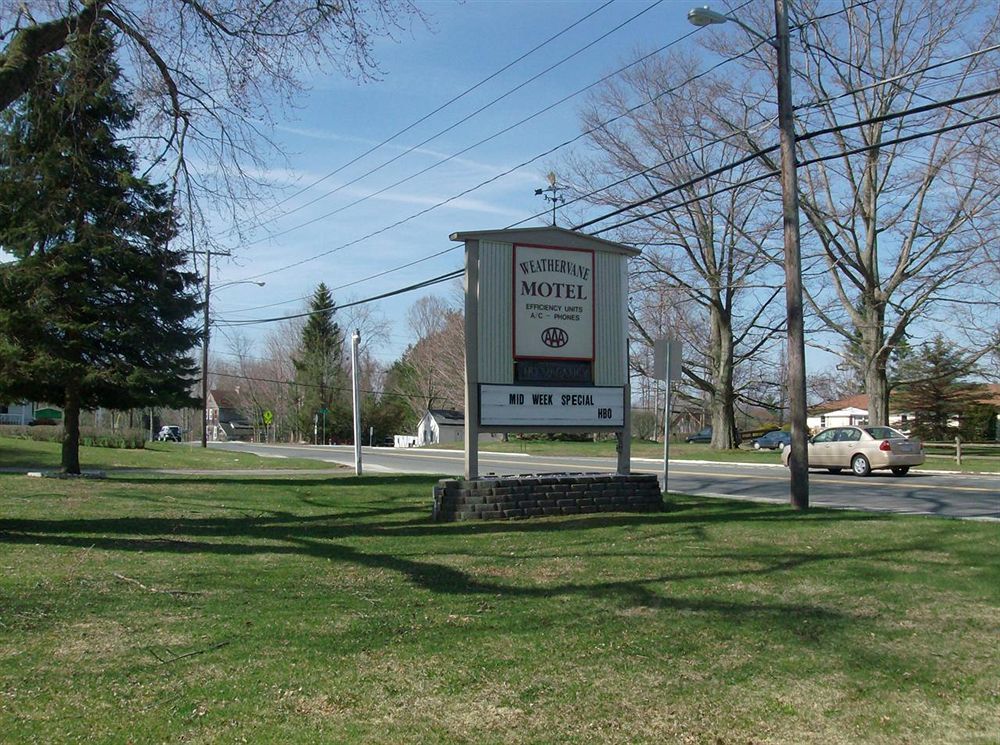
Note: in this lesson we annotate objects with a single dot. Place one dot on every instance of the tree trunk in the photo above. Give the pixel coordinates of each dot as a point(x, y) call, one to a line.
point(876, 362)
point(723, 396)
point(71, 431)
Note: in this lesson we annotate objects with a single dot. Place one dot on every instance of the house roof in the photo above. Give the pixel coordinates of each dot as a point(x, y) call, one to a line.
point(225, 398)
point(857, 401)
point(447, 416)
point(990, 394)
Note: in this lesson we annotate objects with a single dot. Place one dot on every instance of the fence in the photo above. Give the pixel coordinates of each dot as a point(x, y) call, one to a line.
point(963, 451)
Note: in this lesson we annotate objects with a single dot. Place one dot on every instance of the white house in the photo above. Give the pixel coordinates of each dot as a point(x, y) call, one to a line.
point(446, 426)
point(18, 413)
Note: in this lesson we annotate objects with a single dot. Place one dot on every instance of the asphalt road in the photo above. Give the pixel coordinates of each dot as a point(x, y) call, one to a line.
point(921, 492)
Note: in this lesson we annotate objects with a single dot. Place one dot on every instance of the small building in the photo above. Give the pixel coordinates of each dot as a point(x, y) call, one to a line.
point(441, 425)
point(225, 420)
point(20, 413)
point(446, 426)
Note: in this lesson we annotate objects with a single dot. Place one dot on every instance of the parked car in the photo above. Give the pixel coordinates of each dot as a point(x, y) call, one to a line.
point(862, 449)
point(169, 433)
point(704, 435)
point(773, 440)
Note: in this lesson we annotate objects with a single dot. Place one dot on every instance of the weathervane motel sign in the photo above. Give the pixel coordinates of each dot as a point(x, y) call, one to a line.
point(546, 334)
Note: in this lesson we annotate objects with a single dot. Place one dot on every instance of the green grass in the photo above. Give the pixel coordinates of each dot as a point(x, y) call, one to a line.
point(699, 451)
point(31, 455)
point(309, 609)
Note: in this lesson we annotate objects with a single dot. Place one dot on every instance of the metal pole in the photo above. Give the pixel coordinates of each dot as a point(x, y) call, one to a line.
point(204, 353)
point(799, 463)
point(355, 342)
point(666, 424)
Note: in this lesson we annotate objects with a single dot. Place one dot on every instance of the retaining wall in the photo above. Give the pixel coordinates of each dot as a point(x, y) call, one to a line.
point(511, 497)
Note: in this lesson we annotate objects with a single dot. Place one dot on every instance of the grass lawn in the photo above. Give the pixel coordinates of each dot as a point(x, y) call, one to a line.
point(314, 609)
point(30, 455)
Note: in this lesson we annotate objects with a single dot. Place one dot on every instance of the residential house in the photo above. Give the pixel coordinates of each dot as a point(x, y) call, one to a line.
point(17, 413)
point(225, 420)
point(446, 426)
point(853, 410)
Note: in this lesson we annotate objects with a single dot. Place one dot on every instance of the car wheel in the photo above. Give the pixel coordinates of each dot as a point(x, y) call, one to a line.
point(756, 446)
point(834, 470)
point(860, 465)
point(900, 470)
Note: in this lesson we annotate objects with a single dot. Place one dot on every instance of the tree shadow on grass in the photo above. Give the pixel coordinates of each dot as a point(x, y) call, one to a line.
point(291, 536)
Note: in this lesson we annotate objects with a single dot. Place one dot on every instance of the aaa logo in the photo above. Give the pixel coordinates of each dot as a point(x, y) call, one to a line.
point(555, 337)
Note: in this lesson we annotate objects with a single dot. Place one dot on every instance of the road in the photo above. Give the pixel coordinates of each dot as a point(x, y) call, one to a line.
point(920, 492)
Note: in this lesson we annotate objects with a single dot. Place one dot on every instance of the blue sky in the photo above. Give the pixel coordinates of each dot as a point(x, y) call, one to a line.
point(341, 119)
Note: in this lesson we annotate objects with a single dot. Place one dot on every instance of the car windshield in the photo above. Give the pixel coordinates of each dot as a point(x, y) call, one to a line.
point(885, 433)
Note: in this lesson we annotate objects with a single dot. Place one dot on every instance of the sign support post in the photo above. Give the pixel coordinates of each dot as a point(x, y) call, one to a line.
point(666, 367)
point(355, 342)
point(472, 360)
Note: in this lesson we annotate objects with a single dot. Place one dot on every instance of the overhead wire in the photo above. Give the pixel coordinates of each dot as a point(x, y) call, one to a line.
point(457, 273)
point(507, 172)
point(439, 253)
point(440, 108)
point(566, 143)
point(433, 137)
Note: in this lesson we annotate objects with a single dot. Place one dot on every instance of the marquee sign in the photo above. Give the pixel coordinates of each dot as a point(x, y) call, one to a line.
point(551, 406)
point(553, 303)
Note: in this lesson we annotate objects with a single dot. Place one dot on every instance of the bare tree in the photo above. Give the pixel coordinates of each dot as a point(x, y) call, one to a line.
point(900, 210)
point(704, 236)
point(431, 372)
point(208, 76)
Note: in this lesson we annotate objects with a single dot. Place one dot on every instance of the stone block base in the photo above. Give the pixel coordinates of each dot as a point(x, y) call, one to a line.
point(511, 497)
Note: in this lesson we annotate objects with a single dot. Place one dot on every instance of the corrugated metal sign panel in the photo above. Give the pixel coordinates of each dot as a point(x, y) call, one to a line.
point(610, 319)
point(496, 263)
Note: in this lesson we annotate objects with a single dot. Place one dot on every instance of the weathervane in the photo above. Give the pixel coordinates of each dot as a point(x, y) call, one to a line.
point(554, 188)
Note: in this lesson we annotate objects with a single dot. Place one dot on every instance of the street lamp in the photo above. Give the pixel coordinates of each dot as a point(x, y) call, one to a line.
point(798, 463)
point(204, 344)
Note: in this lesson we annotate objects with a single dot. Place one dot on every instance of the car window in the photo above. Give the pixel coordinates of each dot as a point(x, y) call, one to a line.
point(851, 435)
point(885, 433)
point(826, 436)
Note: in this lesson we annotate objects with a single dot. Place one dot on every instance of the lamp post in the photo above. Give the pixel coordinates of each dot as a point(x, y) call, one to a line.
point(204, 341)
point(798, 463)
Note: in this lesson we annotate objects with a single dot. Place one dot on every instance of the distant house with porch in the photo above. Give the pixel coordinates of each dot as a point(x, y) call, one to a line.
point(225, 420)
point(17, 413)
point(24, 413)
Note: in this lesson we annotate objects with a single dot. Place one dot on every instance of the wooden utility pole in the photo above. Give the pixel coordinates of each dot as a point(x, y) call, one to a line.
point(799, 461)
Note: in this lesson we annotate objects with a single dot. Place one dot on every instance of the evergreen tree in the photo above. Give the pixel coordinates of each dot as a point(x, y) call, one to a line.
point(936, 392)
point(95, 309)
point(320, 375)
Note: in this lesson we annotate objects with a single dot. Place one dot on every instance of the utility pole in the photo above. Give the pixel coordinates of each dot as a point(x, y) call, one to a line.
point(796, 382)
point(355, 343)
point(204, 352)
point(799, 460)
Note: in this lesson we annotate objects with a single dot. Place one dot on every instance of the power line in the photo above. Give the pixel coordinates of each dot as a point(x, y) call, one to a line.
point(621, 181)
point(440, 108)
point(801, 138)
point(435, 136)
point(459, 272)
point(507, 172)
point(812, 161)
point(459, 153)
point(410, 288)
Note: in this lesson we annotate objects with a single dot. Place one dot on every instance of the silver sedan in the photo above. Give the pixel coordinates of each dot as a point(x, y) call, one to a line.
point(862, 449)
